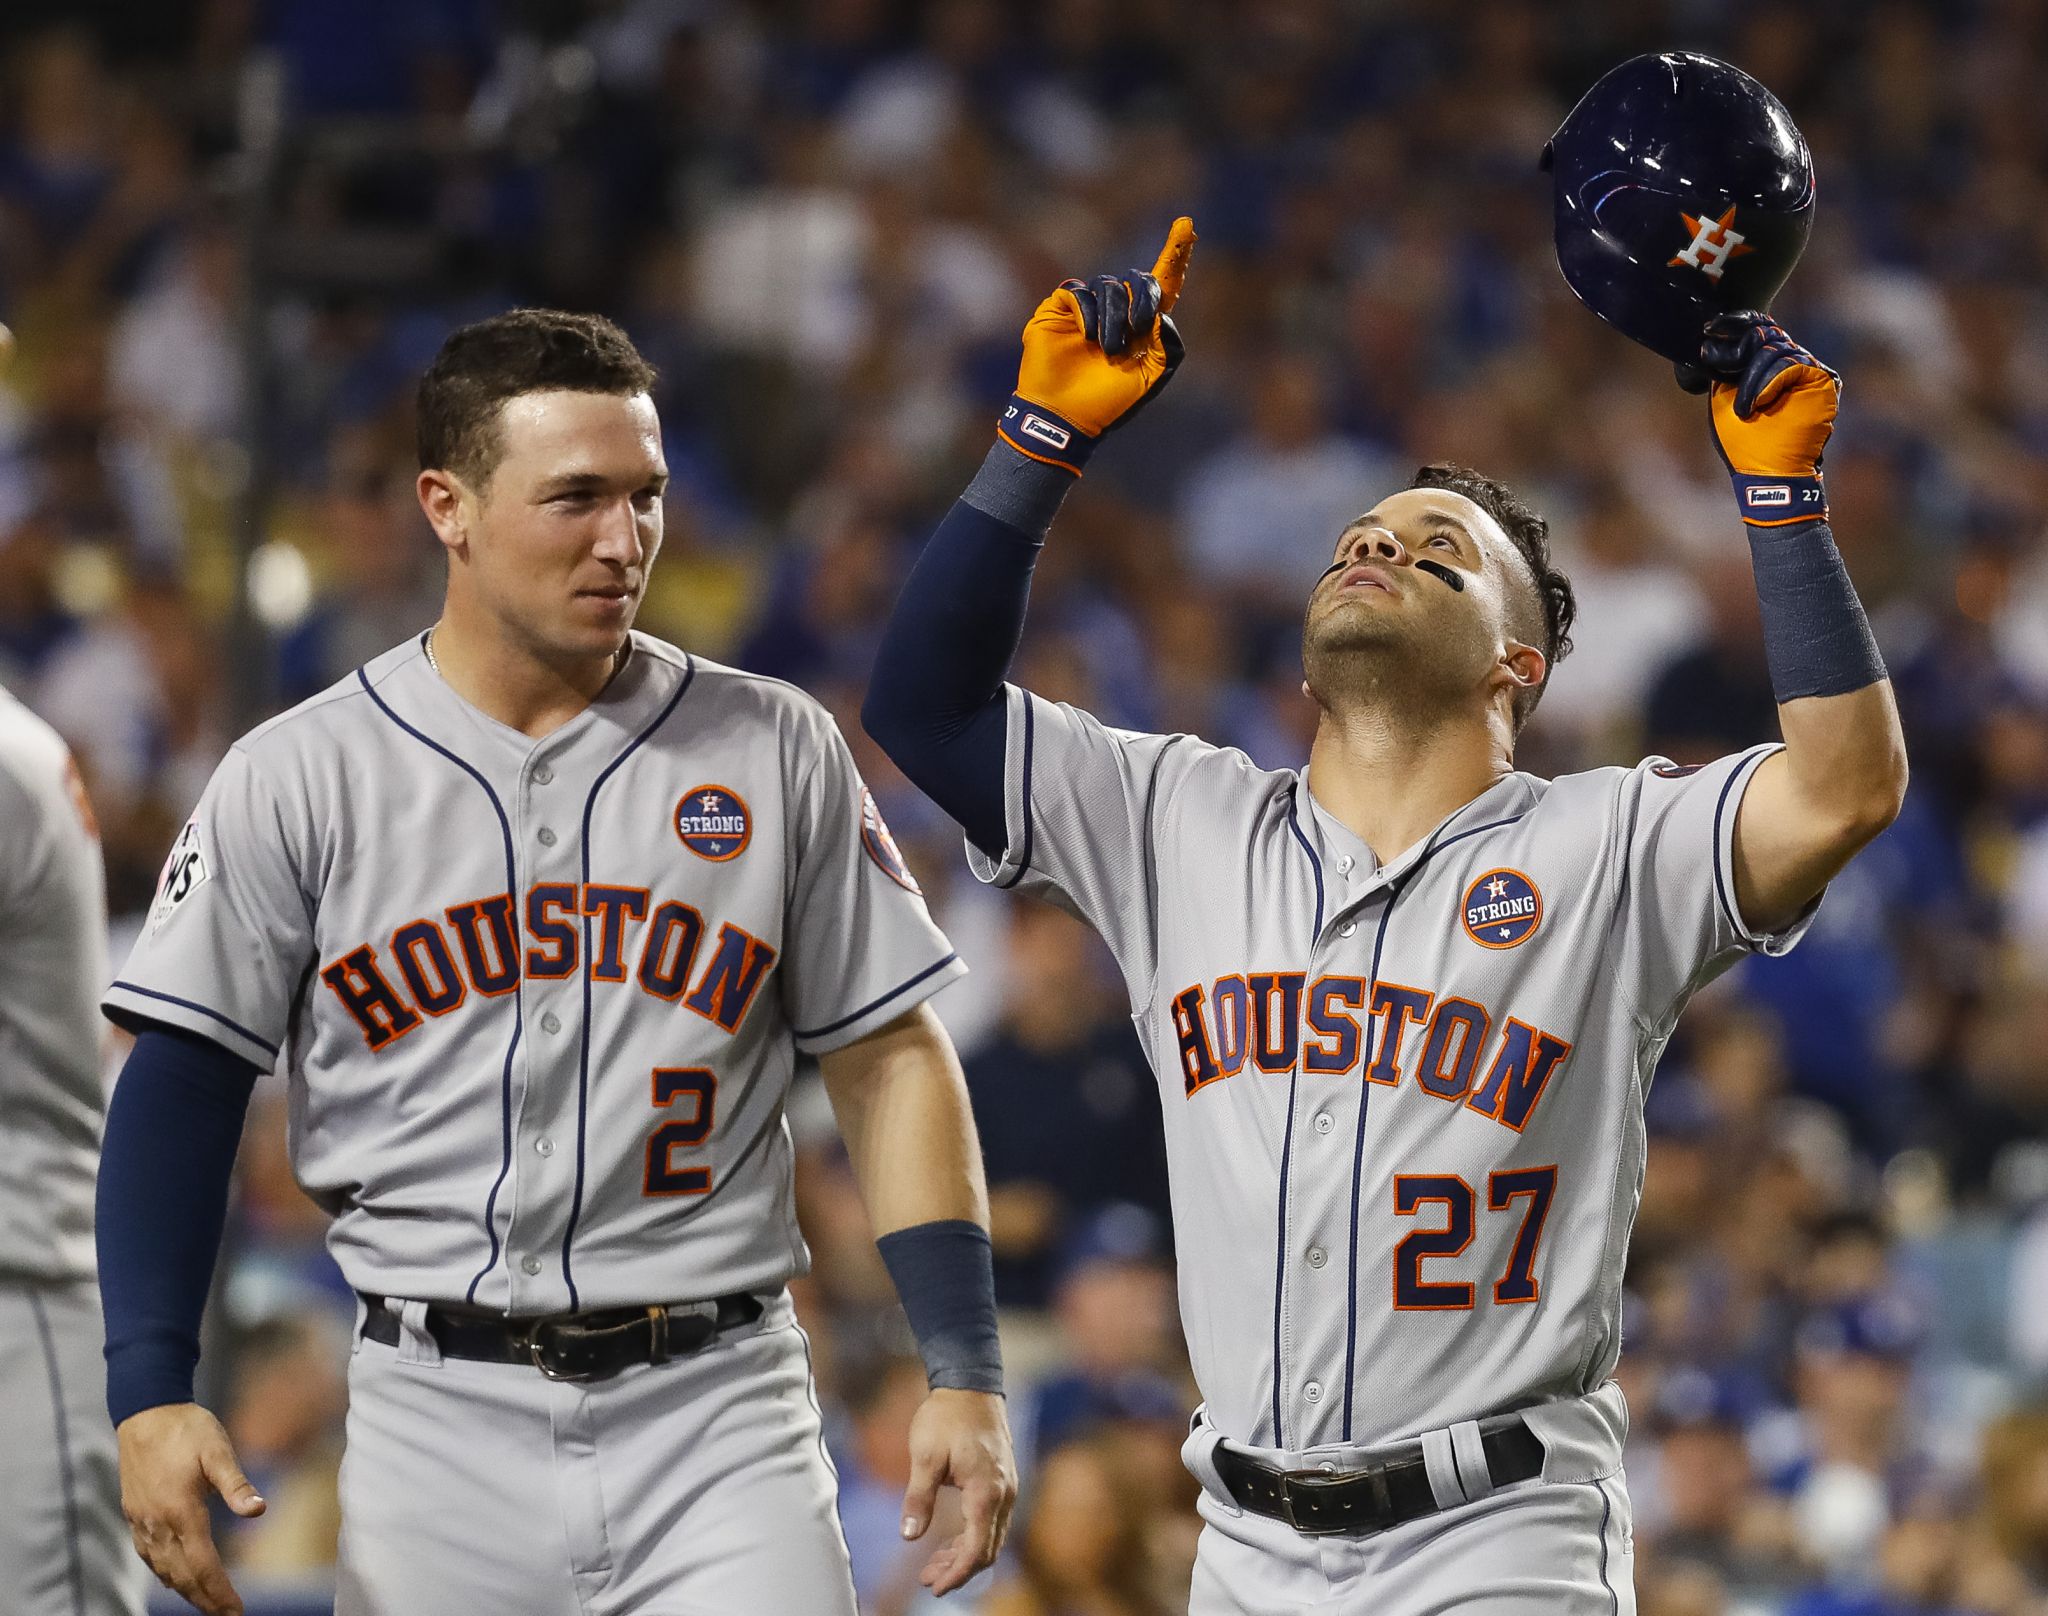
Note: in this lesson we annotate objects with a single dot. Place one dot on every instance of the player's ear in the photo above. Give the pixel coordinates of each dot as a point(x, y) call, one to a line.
point(445, 501)
point(1521, 667)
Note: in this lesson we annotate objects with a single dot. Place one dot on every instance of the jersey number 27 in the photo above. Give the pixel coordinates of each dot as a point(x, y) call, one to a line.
point(1517, 1283)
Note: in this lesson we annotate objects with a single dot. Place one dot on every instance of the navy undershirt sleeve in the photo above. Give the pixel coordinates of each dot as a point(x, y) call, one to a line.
point(935, 703)
point(172, 1130)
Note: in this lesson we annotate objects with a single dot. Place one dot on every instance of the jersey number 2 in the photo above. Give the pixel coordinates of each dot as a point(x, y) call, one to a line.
point(674, 1086)
point(1414, 1191)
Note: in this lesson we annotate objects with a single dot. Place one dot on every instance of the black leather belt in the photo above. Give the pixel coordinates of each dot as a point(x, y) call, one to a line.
point(571, 1346)
point(1320, 1503)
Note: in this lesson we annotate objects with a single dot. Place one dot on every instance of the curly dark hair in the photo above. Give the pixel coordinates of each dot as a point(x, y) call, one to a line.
point(1550, 607)
point(480, 366)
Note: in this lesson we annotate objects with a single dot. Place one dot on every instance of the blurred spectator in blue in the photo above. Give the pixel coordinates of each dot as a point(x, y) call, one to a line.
point(1121, 1359)
point(1848, 1462)
point(1263, 515)
point(1695, 1493)
point(1065, 1102)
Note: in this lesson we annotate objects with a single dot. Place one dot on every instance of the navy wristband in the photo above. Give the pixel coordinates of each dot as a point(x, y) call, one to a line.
point(1032, 429)
point(944, 1273)
point(1780, 501)
point(1817, 642)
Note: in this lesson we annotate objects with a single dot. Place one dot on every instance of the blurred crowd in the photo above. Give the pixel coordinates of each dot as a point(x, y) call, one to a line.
point(826, 221)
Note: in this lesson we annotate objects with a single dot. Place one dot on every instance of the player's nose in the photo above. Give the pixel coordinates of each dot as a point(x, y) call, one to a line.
point(1381, 544)
point(618, 535)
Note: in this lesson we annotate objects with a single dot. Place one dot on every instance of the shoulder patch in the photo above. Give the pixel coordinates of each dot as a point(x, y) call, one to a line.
point(185, 872)
point(881, 846)
point(714, 823)
point(1501, 908)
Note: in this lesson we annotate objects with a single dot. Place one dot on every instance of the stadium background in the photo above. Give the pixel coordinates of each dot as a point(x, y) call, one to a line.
point(232, 233)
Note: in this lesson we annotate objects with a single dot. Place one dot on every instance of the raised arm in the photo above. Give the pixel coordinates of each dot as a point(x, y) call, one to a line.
point(1842, 774)
point(1094, 354)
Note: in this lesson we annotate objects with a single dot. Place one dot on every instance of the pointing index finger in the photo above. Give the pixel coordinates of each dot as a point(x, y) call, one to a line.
point(1172, 266)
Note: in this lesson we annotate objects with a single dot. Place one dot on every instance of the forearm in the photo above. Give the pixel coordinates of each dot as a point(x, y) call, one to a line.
point(903, 1111)
point(173, 1127)
point(1842, 774)
point(1846, 756)
point(935, 699)
point(902, 1107)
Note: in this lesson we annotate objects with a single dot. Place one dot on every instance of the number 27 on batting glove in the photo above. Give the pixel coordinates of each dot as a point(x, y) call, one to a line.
point(1773, 409)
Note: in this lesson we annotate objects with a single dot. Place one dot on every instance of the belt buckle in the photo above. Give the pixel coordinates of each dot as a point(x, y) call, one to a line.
point(537, 1348)
point(1305, 1485)
point(1312, 1482)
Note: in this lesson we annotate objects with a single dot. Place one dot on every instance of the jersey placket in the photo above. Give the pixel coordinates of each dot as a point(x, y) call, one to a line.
point(1330, 1116)
point(541, 1151)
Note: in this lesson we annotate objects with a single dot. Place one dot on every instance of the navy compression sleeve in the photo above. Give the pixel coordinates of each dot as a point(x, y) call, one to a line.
point(935, 702)
point(172, 1130)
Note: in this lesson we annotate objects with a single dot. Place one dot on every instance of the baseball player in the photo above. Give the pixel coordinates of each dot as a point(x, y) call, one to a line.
point(1402, 1004)
point(62, 1547)
point(535, 914)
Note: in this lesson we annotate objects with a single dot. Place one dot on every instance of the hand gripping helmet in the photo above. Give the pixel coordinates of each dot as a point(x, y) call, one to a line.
point(1684, 191)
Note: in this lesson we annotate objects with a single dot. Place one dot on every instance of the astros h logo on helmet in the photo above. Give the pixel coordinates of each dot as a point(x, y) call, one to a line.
point(1714, 242)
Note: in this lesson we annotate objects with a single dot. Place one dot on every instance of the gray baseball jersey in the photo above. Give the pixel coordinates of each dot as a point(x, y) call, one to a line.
point(1403, 1104)
point(63, 1544)
point(53, 963)
point(539, 1002)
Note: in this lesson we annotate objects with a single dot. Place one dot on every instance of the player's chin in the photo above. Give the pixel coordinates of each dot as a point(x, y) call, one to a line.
point(1355, 618)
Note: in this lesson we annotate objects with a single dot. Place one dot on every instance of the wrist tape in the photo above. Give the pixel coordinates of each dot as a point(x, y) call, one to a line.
point(944, 1273)
point(1817, 642)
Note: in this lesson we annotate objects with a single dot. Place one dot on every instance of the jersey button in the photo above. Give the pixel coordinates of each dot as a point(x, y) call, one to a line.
point(543, 776)
point(1324, 1122)
point(530, 1264)
point(1313, 1391)
point(1348, 928)
point(544, 1146)
point(1317, 1256)
point(546, 837)
point(1344, 864)
point(550, 1022)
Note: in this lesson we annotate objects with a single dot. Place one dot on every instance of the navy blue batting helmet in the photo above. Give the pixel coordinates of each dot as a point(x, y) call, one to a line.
point(1684, 191)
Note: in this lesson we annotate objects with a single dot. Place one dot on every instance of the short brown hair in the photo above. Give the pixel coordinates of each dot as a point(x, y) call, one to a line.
point(1530, 534)
point(480, 366)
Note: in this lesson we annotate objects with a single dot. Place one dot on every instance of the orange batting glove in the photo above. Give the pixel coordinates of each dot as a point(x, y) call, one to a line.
point(1094, 354)
point(1772, 406)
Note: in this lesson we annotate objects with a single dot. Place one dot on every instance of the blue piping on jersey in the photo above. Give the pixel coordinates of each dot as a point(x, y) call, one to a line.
point(1280, 1256)
point(204, 1010)
point(583, 1045)
point(1024, 858)
point(1315, 868)
point(1720, 807)
point(1315, 865)
point(511, 1049)
point(1394, 891)
point(1358, 1148)
point(1606, 1511)
point(898, 991)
